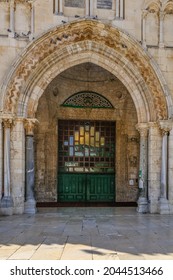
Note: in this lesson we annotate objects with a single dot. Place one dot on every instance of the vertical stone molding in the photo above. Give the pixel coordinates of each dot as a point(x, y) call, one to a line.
point(7, 201)
point(87, 8)
point(56, 6)
point(170, 170)
point(161, 33)
point(143, 168)
point(91, 8)
point(12, 18)
point(1, 157)
point(165, 126)
point(154, 166)
point(61, 7)
point(31, 36)
point(30, 203)
point(144, 15)
point(121, 9)
point(117, 14)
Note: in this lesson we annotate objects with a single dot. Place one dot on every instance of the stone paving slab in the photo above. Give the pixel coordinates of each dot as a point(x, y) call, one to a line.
point(89, 233)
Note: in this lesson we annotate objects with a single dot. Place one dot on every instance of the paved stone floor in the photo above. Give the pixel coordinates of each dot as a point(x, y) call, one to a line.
point(86, 234)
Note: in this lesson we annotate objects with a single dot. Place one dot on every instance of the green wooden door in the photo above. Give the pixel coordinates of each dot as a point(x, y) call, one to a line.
point(86, 188)
point(86, 161)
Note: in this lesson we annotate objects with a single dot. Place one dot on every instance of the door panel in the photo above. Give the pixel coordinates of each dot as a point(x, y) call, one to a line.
point(86, 187)
point(71, 187)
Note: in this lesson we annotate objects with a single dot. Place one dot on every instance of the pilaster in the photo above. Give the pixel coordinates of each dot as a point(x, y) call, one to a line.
point(1, 157)
point(117, 12)
point(144, 15)
point(31, 36)
point(12, 19)
point(161, 33)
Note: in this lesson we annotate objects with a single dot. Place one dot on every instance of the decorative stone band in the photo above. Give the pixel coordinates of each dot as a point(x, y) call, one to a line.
point(29, 125)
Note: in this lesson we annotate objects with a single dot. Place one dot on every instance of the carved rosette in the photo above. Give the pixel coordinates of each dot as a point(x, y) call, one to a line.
point(29, 125)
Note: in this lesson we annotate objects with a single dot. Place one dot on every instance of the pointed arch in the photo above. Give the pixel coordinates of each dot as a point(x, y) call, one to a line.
point(86, 41)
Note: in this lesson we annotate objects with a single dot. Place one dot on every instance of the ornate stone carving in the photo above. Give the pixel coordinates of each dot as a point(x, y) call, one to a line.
point(8, 122)
point(165, 126)
point(87, 99)
point(29, 125)
point(143, 129)
point(85, 30)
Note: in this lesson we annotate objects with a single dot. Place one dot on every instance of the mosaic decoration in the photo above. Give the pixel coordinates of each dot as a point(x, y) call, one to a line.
point(87, 100)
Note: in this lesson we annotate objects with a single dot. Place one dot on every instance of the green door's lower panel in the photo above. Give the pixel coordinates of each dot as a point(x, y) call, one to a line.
point(71, 187)
point(86, 187)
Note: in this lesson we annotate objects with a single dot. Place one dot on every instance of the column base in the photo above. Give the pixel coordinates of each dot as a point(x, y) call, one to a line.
point(142, 205)
point(164, 206)
point(30, 206)
point(6, 206)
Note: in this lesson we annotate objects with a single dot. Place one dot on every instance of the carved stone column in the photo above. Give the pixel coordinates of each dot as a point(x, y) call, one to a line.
point(91, 7)
point(117, 12)
point(165, 126)
point(121, 9)
point(87, 8)
point(161, 39)
point(144, 15)
point(143, 169)
point(7, 201)
point(30, 203)
point(12, 18)
point(1, 157)
point(61, 7)
point(32, 20)
point(56, 6)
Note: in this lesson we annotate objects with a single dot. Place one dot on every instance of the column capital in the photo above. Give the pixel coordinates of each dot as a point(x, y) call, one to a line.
point(8, 122)
point(162, 15)
point(165, 126)
point(144, 13)
point(29, 125)
point(143, 129)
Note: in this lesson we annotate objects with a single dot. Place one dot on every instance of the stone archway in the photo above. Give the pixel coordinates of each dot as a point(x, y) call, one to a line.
point(81, 41)
point(67, 46)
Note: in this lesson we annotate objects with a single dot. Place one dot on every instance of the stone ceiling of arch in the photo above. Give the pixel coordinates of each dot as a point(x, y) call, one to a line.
point(76, 32)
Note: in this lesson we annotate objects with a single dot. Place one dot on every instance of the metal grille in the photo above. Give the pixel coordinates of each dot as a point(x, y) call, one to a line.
point(87, 100)
point(86, 146)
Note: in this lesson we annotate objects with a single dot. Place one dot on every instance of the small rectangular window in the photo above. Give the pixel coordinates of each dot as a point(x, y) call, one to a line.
point(104, 4)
